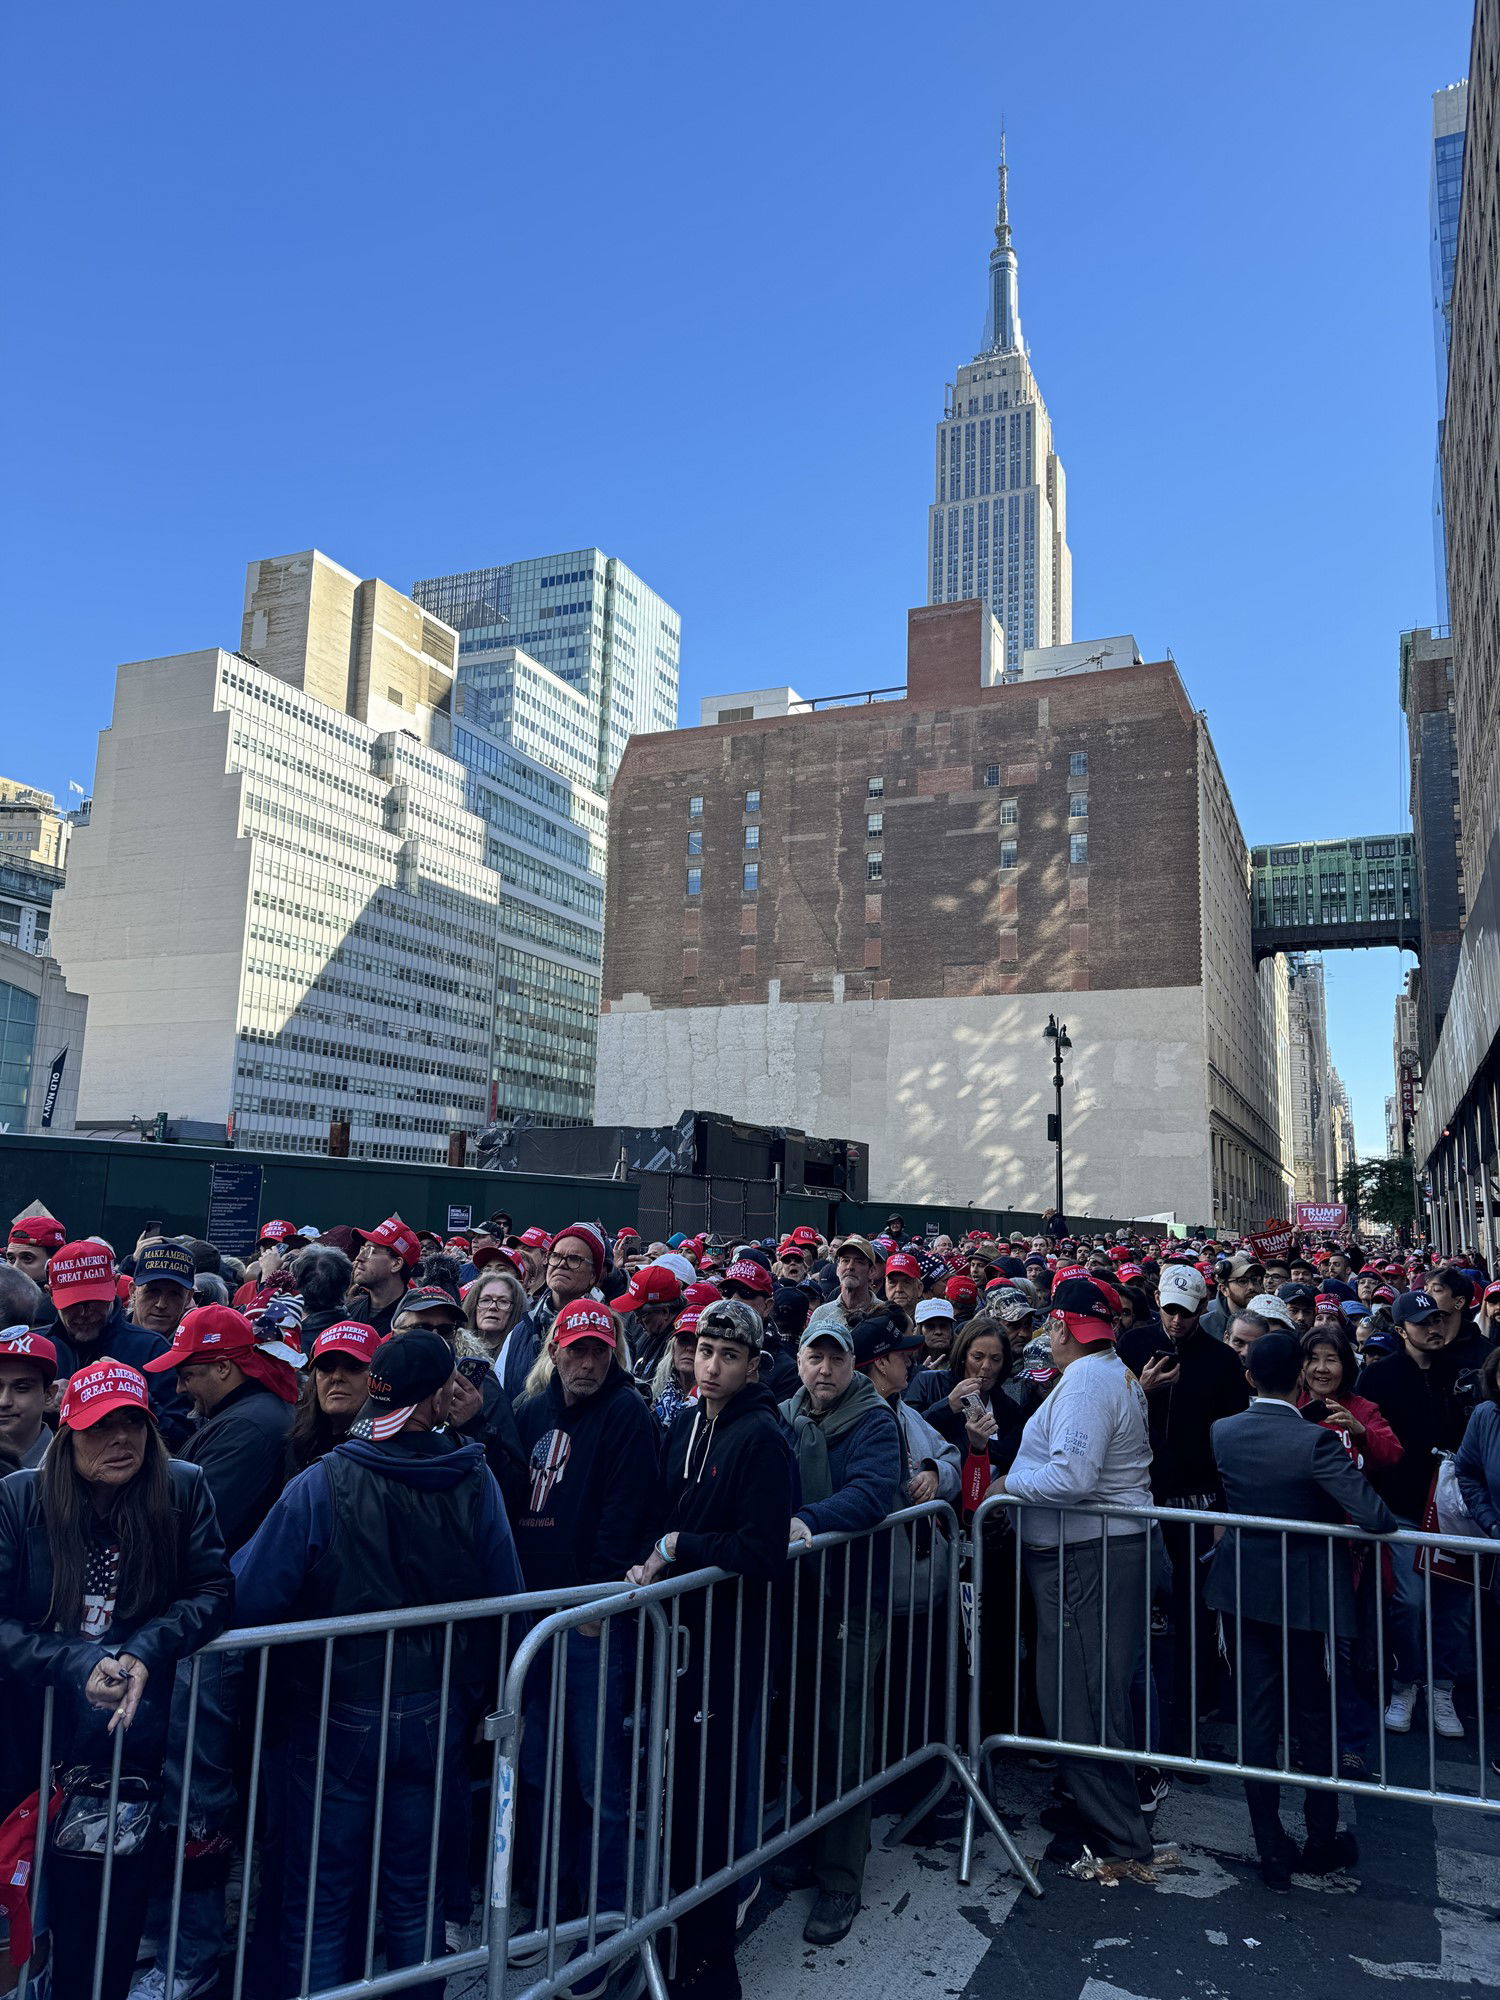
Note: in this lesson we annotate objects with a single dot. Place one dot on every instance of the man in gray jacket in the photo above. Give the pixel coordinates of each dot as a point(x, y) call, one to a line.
point(1272, 1588)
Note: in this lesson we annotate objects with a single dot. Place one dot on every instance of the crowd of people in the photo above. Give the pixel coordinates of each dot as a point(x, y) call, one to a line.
point(371, 1420)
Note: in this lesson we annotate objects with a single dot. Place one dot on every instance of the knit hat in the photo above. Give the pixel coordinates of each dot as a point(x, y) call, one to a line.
point(592, 1237)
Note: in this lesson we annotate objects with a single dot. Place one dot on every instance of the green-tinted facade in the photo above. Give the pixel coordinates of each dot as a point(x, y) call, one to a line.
point(1334, 882)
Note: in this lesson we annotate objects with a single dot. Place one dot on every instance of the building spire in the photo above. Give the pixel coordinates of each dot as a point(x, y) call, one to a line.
point(1002, 206)
point(1002, 325)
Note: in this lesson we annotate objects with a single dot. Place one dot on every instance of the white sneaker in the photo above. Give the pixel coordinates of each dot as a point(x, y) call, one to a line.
point(152, 1984)
point(1444, 1715)
point(453, 1936)
point(1402, 1703)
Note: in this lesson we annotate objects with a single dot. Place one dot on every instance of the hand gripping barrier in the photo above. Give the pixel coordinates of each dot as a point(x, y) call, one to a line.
point(645, 1753)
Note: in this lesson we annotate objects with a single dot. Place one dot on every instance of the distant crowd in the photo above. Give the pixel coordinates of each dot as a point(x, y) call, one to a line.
point(368, 1419)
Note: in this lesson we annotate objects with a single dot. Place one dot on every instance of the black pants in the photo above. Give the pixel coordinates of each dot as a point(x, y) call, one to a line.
point(1193, 1684)
point(1255, 1651)
point(75, 1884)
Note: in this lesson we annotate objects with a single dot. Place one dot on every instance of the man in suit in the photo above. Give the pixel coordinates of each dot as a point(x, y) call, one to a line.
point(1276, 1464)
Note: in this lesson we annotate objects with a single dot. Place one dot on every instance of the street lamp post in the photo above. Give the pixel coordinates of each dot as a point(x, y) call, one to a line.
point(1057, 1035)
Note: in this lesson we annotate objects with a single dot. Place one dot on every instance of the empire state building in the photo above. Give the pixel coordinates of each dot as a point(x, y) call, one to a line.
point(998, 527)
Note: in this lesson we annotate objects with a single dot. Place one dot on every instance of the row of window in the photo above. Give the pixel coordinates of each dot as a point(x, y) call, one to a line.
point(1078, 767)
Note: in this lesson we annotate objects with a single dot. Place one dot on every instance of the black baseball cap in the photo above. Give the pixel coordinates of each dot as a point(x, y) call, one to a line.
point(1297, 1295)
point(1415, 1309)
point(882, 1333)
point(405, 1369)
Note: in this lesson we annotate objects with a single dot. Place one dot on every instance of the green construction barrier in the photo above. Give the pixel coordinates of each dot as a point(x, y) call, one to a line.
point(113, 1188)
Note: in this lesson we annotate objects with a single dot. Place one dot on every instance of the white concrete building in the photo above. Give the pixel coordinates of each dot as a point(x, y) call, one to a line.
point(998, 526)
point(281, 908)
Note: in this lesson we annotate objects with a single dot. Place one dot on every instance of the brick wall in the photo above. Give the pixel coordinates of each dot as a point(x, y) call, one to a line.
point(944, 919)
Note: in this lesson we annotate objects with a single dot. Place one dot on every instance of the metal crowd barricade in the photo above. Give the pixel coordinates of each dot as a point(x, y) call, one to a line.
point(1339, 1578)
point(844, 1685)
point(872, 1612)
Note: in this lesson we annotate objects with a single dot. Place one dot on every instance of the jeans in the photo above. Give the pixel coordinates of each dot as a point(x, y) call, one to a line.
point(408, 1748)
point(1406, 1619)
point(593, 1785)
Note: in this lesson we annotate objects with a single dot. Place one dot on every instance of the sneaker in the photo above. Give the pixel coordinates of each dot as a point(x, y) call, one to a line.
point(524, 1919)
point(1444, 1715)
point(1399, 1711)
point(453, 1935)
point(793, 1872)
point(1352, 1765)
point(152, 1985)
point(746, 1903)
point(1151, 1786)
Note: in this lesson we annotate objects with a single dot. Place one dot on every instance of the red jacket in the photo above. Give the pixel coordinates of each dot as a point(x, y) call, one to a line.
point(1380, 1444)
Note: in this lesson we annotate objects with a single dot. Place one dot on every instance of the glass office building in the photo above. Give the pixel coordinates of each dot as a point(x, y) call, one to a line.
point(1450, 110)
point(561, 659)
point(586, 617)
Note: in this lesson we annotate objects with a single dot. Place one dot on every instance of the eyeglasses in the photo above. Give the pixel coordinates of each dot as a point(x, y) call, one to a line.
point(570, 1263)
point(737, 1292)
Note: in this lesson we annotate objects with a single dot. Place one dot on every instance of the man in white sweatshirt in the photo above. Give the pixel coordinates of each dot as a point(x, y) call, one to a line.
point(1088, 1446)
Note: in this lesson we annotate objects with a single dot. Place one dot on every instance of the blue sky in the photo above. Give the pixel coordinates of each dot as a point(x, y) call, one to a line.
point(437, 287)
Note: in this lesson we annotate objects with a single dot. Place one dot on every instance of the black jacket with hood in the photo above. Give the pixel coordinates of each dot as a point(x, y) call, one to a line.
point(727, 1486)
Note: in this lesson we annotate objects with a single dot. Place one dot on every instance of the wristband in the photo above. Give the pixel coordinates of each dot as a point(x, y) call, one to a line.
point(661, 1550)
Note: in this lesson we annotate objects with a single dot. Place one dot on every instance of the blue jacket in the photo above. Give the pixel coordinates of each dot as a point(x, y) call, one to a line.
point(864, 1465)
point(1478, 1467)
point(272, 1568)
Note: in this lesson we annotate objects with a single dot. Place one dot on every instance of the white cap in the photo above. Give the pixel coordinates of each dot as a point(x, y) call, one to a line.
point(1181, 1285)
point(1268, 1306)
point(678, 1265)
point(933, 1309)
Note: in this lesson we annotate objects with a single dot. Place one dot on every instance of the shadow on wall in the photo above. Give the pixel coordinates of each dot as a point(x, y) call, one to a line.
point(968, 1125)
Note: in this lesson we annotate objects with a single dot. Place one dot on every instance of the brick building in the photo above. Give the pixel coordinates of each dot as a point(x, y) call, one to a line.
point(856, 919)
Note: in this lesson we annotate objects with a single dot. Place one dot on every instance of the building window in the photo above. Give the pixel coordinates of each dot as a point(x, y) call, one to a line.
point(1010, 812)
point(874, 825)
point(1078, 764)
point(1078, 847)
point(874, 867)
point(695, 808)
point(875, 789)
point(992, 774)
point(695, 882)
point(695, 843)
point(1078, 806)
point(752, 802)
point(1007, 854)
point(752, 836)
point(750, 876)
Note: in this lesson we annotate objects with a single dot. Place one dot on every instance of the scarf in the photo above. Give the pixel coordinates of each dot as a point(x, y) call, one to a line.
point(812, 1431)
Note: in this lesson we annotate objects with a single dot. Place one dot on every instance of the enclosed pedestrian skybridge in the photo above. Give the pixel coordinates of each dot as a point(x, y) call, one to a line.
point(1334, 895)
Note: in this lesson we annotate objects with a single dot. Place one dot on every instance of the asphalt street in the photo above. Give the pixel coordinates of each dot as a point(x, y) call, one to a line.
point(1423, 1905)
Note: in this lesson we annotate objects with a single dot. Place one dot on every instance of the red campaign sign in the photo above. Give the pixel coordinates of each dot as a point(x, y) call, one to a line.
point(1321, 1214)
point(1271, 1243)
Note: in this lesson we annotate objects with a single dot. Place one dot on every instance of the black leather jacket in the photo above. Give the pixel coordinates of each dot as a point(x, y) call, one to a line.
point(33, 1657)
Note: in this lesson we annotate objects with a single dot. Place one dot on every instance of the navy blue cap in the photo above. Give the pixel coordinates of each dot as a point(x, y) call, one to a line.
point(165, 1263)
point(1415, 1309)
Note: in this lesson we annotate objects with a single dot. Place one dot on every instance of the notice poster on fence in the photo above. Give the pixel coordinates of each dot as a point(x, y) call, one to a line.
point(459, 1217)
point(1320, 1215)
point(233, 1206)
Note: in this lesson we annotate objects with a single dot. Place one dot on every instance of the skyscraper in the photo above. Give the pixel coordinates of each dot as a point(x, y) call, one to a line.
point(586, 616)
point(1450, 112)
point(997, 529)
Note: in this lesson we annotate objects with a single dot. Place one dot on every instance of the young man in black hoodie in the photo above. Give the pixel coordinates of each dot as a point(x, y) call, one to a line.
point(725, 1503)
point(592, 1446)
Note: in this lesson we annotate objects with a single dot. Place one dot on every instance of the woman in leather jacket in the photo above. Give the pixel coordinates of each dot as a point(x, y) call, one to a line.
point(112, 1570)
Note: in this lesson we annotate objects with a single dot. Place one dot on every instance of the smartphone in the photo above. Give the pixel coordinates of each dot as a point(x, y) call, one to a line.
point(973, 1407)
point(153, 1228)
point(1316, 1412)
point(474, 1368)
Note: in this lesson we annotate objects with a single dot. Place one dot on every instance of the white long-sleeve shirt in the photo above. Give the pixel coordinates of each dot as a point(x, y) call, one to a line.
point(1089, 1442)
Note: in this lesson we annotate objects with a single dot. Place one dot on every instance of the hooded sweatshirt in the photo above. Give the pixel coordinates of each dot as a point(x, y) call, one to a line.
point(380, 1527)
point(594, 1472)
point(727, 1486)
